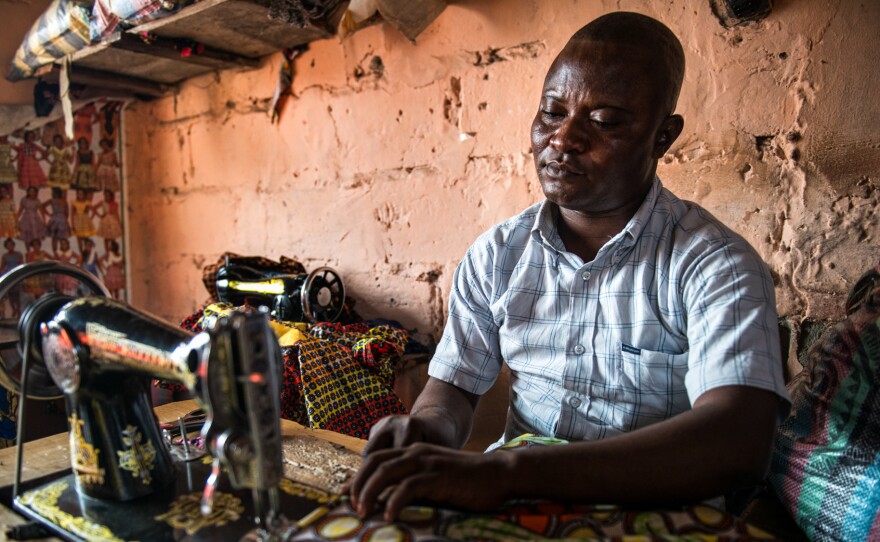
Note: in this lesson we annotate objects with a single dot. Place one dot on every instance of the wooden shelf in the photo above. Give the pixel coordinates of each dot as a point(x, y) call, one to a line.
point(148, 59)
point(151, 59)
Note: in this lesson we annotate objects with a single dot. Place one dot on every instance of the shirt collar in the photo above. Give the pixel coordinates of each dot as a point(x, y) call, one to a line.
point(544, 228)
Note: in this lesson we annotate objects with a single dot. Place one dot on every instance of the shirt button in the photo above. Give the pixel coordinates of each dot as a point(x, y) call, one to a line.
point(574, 402)
point(586, 275)
point(579, 350)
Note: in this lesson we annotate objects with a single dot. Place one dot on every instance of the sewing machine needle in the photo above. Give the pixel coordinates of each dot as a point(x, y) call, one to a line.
point(183, 437)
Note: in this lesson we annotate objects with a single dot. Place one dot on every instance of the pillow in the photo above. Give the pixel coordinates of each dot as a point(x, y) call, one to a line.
point(826, 464)
point(61, 30)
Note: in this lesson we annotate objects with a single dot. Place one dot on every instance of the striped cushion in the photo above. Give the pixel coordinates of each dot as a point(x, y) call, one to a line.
point(61, 30)
point(826, 466)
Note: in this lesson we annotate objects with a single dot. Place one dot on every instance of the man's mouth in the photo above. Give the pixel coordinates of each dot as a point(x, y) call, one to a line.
point(556, 168)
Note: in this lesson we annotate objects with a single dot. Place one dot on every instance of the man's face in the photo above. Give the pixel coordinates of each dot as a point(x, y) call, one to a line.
point(595, 136)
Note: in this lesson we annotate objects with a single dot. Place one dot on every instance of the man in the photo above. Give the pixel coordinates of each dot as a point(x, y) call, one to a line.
point(620, 310)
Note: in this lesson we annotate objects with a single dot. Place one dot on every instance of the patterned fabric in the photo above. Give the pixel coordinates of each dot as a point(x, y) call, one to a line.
point(8, 220)
point(335, 377)
point(531, 522)
point(61, 30)
point(7, 172)
point(30, 173)
point(84, 175)
point(674, 305)
point(344, 383)
point(59, 171)
point(81, 218)
point(529, 440)
point(58, 225)
point(30, 224)
point(826, 465)
point(108, 16)
point(110, 226)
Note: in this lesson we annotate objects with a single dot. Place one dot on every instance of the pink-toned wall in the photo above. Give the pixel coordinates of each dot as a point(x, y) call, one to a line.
point(389, 175)
point(18, 16)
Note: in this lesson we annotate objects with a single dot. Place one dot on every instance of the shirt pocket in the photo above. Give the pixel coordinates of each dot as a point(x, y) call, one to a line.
point(653, 382)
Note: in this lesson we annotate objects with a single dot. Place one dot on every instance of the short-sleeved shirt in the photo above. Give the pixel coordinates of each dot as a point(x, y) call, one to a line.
point(674, 305)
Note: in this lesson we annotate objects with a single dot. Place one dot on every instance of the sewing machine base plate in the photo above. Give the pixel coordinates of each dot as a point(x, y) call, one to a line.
point(170, 515)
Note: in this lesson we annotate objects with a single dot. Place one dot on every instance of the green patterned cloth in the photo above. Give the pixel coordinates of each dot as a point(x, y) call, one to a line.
point(826, 465)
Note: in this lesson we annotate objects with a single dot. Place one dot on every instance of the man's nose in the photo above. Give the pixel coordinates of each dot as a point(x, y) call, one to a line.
point(570, 137)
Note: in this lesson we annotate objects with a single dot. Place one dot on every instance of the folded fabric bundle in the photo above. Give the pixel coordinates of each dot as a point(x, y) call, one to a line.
point(826, 465)
point(344, 381)
point(338, 377)
point(108, 16)
point(63, 29)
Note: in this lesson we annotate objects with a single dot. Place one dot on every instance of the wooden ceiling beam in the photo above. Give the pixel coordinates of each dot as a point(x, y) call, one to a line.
point(172, 49)
point(87, 76)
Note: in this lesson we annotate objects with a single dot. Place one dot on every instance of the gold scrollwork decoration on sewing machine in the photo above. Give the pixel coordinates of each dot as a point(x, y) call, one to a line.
point(85, 455)
point(139, 457)
point(45, 502)
point(298, 489)
point(185, 512)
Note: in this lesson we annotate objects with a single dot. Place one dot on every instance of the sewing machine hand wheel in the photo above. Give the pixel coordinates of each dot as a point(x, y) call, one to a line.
point(13, 337)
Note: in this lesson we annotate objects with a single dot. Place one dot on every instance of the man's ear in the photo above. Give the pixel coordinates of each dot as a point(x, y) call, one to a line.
point(668, 132)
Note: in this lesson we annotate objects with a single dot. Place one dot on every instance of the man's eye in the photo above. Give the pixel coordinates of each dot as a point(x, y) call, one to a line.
point(604, 123)
point(551, 113)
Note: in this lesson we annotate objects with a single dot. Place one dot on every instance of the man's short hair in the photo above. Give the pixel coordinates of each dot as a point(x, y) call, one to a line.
point(645, 33)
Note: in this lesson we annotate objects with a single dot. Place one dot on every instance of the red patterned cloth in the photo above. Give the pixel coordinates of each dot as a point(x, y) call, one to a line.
point(339, 378)
point(346, 379)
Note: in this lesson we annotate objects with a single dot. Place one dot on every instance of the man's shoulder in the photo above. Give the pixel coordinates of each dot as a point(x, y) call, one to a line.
point(691, 222)
point(512, 233)
point(695, 237)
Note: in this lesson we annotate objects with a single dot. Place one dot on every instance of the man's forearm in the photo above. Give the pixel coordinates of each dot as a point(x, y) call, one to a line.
point(696, 455)
point(447, 413)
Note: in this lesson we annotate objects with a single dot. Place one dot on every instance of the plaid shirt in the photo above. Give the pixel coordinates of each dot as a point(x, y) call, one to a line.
point(674, 305)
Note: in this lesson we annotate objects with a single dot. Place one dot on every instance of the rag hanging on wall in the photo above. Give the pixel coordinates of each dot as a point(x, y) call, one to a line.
point(284, 89)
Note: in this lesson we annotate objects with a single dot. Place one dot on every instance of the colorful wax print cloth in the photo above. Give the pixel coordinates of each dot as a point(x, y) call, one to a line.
point(531, 521)
point(338, 377)
point(826, 463)
point(110, 16)
point(345, 377)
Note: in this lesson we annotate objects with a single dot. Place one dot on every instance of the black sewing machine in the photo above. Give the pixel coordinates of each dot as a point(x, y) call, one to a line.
point(124, 484)
point(318, 296)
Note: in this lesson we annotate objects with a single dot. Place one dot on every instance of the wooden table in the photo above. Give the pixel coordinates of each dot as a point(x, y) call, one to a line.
point(52, 454)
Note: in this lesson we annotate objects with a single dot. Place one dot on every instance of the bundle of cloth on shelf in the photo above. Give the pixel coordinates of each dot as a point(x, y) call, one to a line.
point(70, 25)
point(61, 30)
point(110, 16)
point(338, 375)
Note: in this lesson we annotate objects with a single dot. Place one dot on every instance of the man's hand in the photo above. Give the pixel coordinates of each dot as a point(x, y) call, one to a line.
point(442, 415)
point(722, 443)
point(393, 478)
point(396, 432)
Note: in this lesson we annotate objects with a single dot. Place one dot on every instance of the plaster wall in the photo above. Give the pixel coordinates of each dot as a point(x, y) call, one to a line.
point(393, 156)
point(18, 16)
